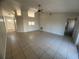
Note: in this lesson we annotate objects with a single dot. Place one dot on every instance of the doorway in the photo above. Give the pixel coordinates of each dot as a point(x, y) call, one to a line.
point(70, 25)
point(10, 24)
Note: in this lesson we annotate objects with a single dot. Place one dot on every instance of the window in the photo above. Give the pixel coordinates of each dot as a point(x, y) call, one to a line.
point(18, 11)
point(31, 12)
point(30, 23)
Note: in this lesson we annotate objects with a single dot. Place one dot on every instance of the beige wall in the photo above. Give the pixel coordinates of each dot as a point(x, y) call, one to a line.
point(22, 23)
point(26, 25)
point(56, 22)
point(19, 24)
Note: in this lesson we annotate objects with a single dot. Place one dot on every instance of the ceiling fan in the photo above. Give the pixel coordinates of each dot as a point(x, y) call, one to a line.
point(40, 10)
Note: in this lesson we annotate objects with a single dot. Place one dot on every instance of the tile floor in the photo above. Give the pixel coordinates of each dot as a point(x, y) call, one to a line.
point(40, 45)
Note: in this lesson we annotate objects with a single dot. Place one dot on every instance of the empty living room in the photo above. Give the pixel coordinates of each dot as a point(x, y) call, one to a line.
point(39, 29)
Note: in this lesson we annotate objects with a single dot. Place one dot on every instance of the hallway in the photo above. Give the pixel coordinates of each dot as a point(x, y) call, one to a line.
point(39, 45)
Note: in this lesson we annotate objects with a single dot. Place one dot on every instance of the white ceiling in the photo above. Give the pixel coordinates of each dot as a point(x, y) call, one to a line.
point(51, 5)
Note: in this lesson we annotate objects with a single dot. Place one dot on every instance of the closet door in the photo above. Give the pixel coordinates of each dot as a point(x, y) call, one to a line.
point(2, 38)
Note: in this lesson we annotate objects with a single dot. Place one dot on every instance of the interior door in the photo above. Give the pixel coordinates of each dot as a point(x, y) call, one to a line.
point(10, 24)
